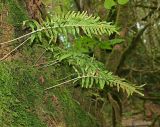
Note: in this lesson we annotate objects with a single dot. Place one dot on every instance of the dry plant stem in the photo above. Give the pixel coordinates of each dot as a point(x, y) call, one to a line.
point(74, 79)
point(61, 84)
point(14, 49)
point(49, 64)
point(45, 63)
point(22, 36)
point(39, 57)
point(66, 77)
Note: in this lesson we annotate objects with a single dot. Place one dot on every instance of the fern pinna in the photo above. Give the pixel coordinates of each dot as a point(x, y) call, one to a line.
point(69, 23)
point(90, 72)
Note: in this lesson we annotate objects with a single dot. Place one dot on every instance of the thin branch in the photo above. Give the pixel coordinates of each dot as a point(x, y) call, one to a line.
point(40, 64)
point(3, 58)
point(67, 77)
point(49, 64)
point(74, 79)
point(61, 83)
point(28, 34)
point(39, 57)
point(132, 46)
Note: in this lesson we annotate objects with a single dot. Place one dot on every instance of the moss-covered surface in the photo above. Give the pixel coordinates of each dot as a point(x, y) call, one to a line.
point(24, 103)
point(16, 12)
point(12, 13)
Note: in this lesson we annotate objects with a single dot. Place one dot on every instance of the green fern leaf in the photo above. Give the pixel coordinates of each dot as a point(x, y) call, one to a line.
point(71, 23)
point(87, 73)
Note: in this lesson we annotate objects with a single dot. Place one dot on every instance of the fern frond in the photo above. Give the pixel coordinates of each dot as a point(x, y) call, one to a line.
point(92, 73)
point(71, 23)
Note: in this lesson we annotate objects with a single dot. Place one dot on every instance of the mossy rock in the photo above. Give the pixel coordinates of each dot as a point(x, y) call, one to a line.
point(24, 103)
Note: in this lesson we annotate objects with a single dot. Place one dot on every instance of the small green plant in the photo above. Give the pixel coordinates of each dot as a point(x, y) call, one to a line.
point(86, 44)
point(108, 4)
point(89, 71)
point(70, 23)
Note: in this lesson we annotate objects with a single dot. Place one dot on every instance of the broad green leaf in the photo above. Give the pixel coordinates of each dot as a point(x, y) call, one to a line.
point(105, 45)
point(116, 41)
point(108, 4)
point(122, 2)
point(109, 44)
point(85, 44)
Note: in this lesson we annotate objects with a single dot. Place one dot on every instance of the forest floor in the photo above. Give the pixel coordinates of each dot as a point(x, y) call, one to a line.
point(136, 121)
point(150, 117)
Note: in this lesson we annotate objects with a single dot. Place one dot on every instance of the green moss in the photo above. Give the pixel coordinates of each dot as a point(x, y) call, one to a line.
point(19, 94)
point(73, 114)
point(23, 103)
point(17, 12)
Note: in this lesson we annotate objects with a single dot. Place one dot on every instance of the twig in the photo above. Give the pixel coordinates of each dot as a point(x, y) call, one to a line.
point(131, 47)
point(66, 77)
point(22, 36)
point(61, 83)
point(3, 58)
point(40, 64)
point(39, 57)
point(49, 64)
point(67, 82)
